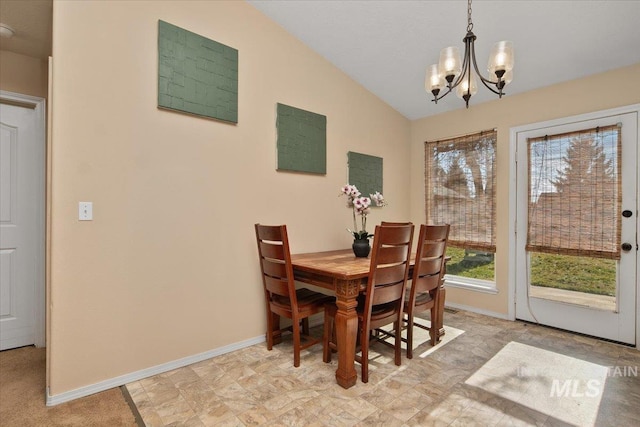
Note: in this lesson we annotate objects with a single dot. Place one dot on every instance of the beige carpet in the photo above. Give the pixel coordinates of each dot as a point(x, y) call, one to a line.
point(22, 397)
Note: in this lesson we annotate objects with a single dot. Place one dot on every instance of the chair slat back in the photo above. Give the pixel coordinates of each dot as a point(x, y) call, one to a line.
point(388, 293)
point(272, 249)
point(274, 269)
point(430, 258)
point(275, 262)
point(389, 267)
point(392, 254)
point(272, 233)
point(434, 247)
point(276, 286)
point(389, 274)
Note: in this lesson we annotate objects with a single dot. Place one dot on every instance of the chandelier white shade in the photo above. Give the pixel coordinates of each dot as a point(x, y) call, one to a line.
point(452, 72)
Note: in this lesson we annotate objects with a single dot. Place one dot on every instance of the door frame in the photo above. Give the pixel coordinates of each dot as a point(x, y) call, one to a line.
point(38, 105)
point(513, 132)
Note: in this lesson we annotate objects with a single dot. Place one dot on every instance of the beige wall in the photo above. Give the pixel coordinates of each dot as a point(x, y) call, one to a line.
point(23, 74)
point(608, 90)
point(168, 267)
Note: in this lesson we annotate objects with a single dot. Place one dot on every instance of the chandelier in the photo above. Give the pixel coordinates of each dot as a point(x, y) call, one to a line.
point(451, 73)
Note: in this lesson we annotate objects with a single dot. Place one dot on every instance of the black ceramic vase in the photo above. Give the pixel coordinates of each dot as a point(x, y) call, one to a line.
point(361, 247)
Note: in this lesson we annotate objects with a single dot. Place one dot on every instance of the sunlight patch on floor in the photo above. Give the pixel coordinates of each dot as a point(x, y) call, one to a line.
point(562, 387)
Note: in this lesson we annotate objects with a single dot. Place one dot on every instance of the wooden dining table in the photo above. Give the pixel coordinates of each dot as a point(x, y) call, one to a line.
point(346, 276)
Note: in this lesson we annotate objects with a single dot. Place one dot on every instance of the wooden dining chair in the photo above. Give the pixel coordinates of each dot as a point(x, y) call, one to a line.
point(281, 296)
point(383, 299)
point(426, 281)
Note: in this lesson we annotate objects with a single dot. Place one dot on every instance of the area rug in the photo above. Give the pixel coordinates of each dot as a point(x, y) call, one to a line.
point(562, 387)
point(422, 341)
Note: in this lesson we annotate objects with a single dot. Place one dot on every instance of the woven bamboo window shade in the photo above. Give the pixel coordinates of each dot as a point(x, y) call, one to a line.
point(460, 188)
point(575, 193)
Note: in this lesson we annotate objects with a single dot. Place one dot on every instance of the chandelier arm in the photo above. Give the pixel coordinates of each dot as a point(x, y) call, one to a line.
point(484, 80)
point(438, 98)
point(468, 43)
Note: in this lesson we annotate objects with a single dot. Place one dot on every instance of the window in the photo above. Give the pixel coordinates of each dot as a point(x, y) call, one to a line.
point(460, 191)
point(574, 193)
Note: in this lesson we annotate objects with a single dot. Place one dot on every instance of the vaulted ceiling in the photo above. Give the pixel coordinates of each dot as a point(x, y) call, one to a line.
point(387, 45)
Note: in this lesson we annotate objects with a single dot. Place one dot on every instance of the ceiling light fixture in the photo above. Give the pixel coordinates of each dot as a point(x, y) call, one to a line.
point(450, 74)
point(6, 31)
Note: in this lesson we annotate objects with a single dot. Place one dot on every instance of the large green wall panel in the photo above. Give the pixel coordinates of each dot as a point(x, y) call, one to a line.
point(196, 75)
point(302, 140)
point(365, 172)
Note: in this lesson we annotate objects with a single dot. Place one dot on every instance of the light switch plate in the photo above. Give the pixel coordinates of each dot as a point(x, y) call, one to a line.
point(85, 211)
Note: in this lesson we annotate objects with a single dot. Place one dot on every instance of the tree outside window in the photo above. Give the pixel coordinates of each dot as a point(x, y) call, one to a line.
point(573, 237)
point(460, 191)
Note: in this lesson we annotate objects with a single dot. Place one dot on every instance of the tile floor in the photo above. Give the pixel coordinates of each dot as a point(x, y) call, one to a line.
point(496, 373)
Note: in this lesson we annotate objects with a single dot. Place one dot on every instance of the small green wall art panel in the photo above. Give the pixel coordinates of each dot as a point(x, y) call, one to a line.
point(301, 140)
point(196, 75)
point(365, 172)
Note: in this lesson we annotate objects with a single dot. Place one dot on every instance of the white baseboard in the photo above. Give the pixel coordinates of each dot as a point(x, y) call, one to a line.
point(148, 372)
point(477, 310)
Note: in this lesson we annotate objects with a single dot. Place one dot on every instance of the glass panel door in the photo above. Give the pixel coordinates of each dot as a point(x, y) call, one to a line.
point(573, 269)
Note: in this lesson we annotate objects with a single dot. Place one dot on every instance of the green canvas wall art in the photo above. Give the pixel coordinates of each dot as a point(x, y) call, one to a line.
point(365, 172)
point(301, 140)
point(196, 75)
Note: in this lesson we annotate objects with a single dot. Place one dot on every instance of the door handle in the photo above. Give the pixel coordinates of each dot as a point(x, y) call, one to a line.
point(626, 247)
point(627, 213)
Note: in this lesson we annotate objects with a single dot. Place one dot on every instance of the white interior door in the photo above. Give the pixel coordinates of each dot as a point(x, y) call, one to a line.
point(610, 316)
point(21, 225)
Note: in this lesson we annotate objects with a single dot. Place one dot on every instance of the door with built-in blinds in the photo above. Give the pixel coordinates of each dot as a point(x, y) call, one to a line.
point(576, 225)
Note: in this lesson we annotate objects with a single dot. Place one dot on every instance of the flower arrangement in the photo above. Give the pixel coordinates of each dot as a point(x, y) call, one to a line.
point(360, 206)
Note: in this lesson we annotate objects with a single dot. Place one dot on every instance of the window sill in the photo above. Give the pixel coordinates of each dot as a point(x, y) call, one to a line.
point(477, 285)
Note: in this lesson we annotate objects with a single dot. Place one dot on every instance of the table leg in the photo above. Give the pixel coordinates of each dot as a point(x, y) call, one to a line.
point(346, 331)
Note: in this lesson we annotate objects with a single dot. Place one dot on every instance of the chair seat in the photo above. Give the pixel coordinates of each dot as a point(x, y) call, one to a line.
point(381, 311)
point(306, 297)
point(421, 299)
point(377, 311)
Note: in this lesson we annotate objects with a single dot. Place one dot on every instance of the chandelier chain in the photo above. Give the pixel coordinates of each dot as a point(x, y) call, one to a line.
point(469, 23)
